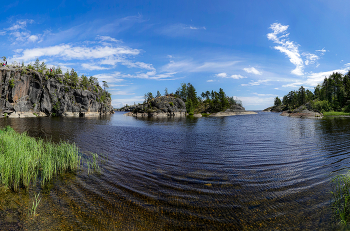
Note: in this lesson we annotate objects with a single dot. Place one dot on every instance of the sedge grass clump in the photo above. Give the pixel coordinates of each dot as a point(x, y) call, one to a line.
point(341, 198)
point(24, 159)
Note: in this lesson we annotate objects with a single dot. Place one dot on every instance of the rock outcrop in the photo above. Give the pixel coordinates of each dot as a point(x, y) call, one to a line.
point(234, 110)
point(274, 109)
point(28, 93)
point(162, 106)
point(304, 111)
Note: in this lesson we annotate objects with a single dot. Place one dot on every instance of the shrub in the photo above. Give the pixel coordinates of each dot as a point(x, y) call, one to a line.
point(171, 104)
point(321, 105)
point(12, 83)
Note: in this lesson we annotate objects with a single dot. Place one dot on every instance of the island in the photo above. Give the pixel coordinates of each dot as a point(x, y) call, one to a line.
point(185, 102)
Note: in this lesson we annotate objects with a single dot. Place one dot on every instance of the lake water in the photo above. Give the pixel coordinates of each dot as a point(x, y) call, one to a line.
point(246, 172)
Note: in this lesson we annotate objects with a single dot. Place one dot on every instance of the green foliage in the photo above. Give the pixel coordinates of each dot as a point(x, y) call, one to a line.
point(36, 202)
point(37, 64)
point(148, 97)
point(58, 70)
point(3, 58)
point(105, 85)
point(278, 102)
point(321, 106)
point(57, 106)
point(166, 92)
point(12, 83)
point(171, 104)
point(74, 79)
point(158, 94)
point(93, 80)
point(30, 66)
point(25, 160)
point(84, 81)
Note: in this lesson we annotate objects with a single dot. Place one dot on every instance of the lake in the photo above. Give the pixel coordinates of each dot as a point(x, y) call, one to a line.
point(246, 172)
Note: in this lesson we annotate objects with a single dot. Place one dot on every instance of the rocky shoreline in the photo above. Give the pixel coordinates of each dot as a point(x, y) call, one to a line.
point(28, 93)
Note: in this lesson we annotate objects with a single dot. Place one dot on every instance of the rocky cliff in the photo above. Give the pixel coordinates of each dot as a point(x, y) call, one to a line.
point(162, 106)
point(28, 93)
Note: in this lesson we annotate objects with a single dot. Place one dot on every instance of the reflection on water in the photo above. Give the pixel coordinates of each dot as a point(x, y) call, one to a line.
point(260, 171)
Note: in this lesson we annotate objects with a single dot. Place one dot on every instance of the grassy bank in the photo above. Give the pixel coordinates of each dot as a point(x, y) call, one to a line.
point(24, 160)
point(336, 113)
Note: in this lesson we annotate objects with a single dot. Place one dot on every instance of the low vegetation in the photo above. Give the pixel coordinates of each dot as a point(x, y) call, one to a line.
point(24, 160)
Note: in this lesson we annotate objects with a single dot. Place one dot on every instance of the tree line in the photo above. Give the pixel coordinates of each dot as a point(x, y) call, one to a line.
point(209, 101)
point(332, 95)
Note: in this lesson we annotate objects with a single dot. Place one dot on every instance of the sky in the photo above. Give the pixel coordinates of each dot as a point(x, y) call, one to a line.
point(253, 50)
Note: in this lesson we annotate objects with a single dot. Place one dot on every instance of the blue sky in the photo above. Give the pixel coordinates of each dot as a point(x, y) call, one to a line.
point(254, 50)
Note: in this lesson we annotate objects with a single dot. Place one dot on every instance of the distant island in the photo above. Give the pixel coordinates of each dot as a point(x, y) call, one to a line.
point(331, 98)
point(185, 102)
point(35, 90)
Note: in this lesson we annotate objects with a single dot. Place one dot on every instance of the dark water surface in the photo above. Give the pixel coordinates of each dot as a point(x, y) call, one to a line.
point(252, 172)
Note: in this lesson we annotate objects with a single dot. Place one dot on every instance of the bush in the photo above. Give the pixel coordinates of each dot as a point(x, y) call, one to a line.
point(321, 105)
point(171, 104)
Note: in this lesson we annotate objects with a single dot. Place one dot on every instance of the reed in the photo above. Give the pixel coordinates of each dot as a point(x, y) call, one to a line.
point(24, 160)
point(341, 198)
point(35, 204)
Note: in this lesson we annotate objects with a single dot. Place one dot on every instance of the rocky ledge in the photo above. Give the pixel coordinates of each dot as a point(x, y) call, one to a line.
point(304, 111)
point(163, 106)
point(29, 93)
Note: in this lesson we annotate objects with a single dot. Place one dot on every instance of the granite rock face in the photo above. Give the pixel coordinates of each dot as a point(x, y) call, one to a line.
point(28, 93)
point(162, 106)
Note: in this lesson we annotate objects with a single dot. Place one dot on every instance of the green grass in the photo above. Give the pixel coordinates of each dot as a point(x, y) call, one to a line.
point(25, 160)
point(341, 198)
point(336, 113)
point(205, 114)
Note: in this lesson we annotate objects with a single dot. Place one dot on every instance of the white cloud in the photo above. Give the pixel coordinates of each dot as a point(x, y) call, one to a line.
point(195, 28)
point(107, 38)
point(191, 66)
point(20, 24)
point(287, 47)
point(210, 80)
point(118, 103)
point(256, 83)
point(66, 51)
point(111, 77)
point(314, 78)
point(92, 67)
point(237, 77)
point(33, 38)
point(221, 75)
point(257, 101)
point(310, 58)
point(180, 29)
point(264, 94)
point(252, 70)
point(322, 50)
point(151, 75)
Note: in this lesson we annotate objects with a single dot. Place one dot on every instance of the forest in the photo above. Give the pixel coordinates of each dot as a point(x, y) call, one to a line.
point(332, 95)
